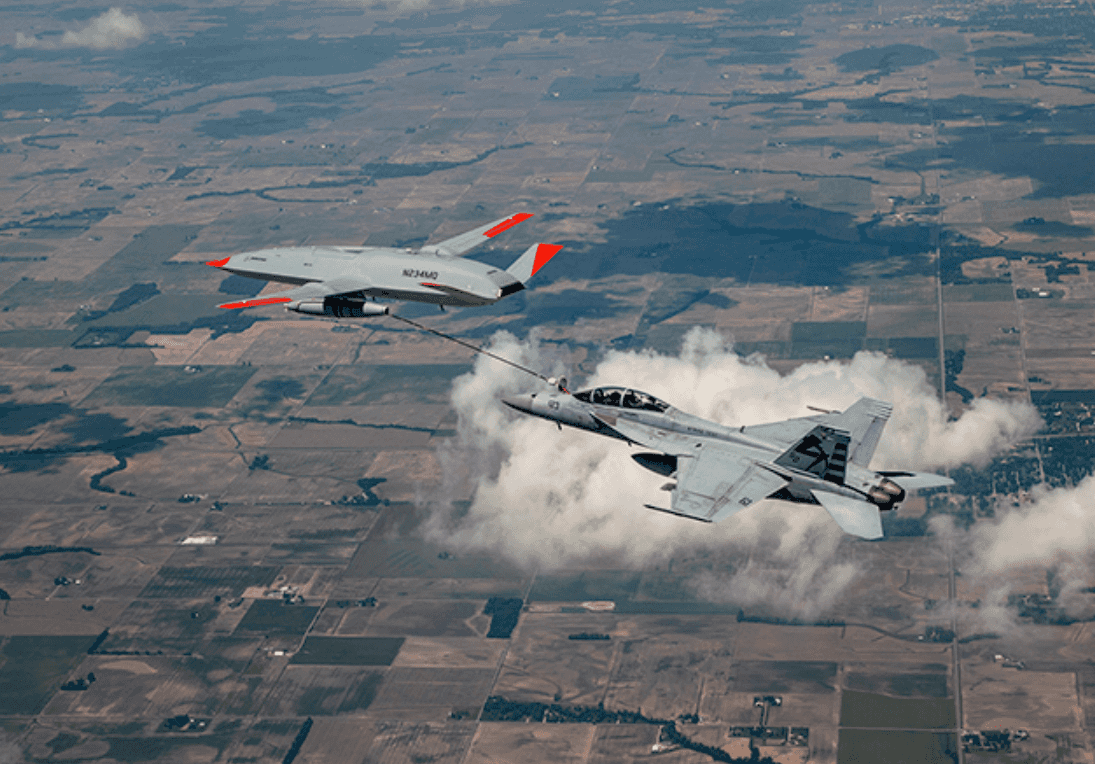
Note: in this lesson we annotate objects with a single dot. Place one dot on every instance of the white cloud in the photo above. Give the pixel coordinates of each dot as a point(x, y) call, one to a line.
point(10, 753)
point(1057, 529)
point(428, 5)
point(547, 498)
point(112, 30)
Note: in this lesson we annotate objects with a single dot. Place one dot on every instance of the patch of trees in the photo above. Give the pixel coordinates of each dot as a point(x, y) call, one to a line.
point(504, 613)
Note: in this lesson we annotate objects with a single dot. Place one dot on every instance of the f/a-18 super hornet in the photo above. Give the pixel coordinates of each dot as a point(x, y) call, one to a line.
point(339, 281)
point(717, 471)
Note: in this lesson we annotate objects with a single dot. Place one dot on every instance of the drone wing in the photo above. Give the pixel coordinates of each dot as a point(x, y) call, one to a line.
point(313, 290)
point(458, 245)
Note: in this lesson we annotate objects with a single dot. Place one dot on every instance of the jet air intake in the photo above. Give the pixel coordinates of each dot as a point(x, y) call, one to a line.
point(663, 464)
point(339, 307)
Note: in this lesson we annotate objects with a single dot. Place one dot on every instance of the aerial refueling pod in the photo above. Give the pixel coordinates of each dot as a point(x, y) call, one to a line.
point(338, 307)
point(663, 464)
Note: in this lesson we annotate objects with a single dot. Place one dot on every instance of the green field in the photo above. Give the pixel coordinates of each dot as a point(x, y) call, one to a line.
point(978, 293)
point(387, 384)
point(204, 581)
point(807, 677)
point(33, 669)
point(275, 617)
point(889, 747)
point(589, 585)
point(866, 709)
point(348, 651)
point(36, 338)
point(193, 386)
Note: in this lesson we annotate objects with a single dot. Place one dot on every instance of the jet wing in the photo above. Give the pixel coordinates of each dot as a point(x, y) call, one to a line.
point(715, 483)
point(311, 291)
point(458, 245)
point(666, 441)
point(785, 433)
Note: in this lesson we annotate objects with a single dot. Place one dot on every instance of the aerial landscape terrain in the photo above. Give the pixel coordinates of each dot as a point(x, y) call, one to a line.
point(253, 536)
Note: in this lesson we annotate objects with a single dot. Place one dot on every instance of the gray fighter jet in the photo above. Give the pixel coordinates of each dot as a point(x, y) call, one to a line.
point(338, 281)
point(717, 471)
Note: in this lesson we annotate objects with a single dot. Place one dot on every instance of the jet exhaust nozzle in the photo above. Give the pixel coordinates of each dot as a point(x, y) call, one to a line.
point(338, 307)
point(887, 494)
point(663, 464)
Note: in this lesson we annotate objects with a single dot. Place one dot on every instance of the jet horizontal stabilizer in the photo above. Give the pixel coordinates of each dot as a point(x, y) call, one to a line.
point(916, 481)
point(859, 518)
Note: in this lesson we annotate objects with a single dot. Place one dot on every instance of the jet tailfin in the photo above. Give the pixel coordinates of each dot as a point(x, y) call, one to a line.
point(864, 422)
point(535, 258)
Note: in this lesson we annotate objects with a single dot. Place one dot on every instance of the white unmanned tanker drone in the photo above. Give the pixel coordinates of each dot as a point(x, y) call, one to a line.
point(718, 470)
point(338, 281)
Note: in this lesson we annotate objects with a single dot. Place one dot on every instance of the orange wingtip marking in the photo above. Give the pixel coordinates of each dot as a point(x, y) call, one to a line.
point(508, 223)
point(219, 263)
point(544, 253)
point(255, 303)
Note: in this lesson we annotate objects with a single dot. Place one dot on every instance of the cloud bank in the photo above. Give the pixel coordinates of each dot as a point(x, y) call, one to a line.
point(547, 498)
point(111, 31)
point(10, 753)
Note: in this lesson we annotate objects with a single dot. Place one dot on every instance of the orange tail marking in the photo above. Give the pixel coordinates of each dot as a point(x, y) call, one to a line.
point(507, 224)
point(544, 253)
point(255, 303)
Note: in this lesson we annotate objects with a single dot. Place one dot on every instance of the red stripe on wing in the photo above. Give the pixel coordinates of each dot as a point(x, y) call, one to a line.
point(544, 253)
point(507, 224)
point(255, 303)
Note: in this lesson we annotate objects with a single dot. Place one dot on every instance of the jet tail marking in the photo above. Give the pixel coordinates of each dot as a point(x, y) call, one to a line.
point(822, 452)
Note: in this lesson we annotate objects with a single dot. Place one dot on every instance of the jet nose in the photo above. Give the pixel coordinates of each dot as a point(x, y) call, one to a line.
point(520, 402)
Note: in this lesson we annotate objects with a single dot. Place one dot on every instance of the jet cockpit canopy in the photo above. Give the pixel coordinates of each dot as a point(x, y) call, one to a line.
point(621, 397)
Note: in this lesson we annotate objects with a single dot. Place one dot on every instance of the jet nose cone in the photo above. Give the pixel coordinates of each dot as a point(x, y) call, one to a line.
point(520, 402)
point(218, 263)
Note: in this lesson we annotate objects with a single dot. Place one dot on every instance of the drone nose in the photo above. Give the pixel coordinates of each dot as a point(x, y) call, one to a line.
point(519, 402)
